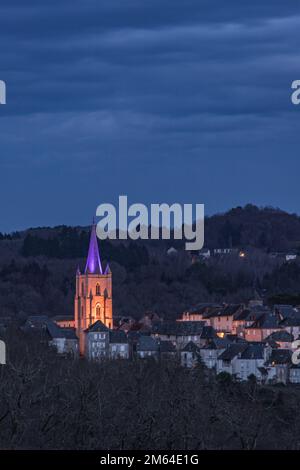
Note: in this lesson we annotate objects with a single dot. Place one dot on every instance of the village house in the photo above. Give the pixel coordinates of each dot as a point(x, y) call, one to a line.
point(147, 347)
point(251, 361)
point(222, 319)
point(292, 326)
point(64, 340)
point(200, 312)
point(190, 355)
point(102, 342)
point(211, 351)
point(279, 364)
point(227, 359)
point(280, 339)
point(263, 327)
point(240, 321)
point(97, 341)
point(179, 333)
point(118, 345)
point(243, 360)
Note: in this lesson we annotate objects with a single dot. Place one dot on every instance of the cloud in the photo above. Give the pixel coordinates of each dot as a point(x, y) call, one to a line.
point(129, 86)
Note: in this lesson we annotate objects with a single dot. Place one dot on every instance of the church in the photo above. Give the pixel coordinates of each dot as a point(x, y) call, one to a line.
point(93, 295)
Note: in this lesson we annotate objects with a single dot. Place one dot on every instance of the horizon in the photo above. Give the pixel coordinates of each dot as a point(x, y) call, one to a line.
point(88, 225)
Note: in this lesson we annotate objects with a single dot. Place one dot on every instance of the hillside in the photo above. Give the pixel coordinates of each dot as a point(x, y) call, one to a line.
point(37, 266)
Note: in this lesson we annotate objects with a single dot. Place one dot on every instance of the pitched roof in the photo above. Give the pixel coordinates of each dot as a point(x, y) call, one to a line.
point(268, 320)
point(280, 356)
point(289, 321)
point(147, 343)
point(117, 336)
point(217, 343)
point(242, 315)
point(180, 328)
point(191, 347)
point(203, 307)
point(69, 333)
point(208, 332)
point(98, 326)
point(227, 311)
point(93, 262)
point(280, 336)
point(232, 351)
point(254, 351)
point(287, 311)
point(63, 317)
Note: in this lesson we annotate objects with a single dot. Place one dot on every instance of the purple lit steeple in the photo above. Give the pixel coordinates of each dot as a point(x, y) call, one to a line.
point(93, 263)
point(107, 270)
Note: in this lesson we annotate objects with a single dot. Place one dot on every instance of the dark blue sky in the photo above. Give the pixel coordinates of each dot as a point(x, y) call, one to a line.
point(162, 100)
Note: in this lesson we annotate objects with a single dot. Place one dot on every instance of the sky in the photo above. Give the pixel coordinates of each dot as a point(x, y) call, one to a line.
point(170, 101)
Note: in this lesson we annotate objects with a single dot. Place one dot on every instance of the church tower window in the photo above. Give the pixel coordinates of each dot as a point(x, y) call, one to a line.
point(98, 312)
point(98, 289)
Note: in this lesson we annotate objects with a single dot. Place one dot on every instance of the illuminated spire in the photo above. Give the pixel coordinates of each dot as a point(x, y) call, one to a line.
point(93, 263)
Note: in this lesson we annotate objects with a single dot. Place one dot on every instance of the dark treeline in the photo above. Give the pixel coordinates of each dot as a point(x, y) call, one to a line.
point(73, 243)
point(37, 268)
point(267, 228)
point(50, 402)
point(168, 286)
point(10, 236)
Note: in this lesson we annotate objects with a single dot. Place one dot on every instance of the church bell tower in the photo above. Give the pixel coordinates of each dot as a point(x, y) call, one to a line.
point(93, 297)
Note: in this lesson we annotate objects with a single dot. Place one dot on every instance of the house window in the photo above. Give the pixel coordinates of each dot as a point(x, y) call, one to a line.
point(98, 289)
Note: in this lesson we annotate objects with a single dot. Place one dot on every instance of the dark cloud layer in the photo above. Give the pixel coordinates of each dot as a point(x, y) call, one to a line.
point(166, 100)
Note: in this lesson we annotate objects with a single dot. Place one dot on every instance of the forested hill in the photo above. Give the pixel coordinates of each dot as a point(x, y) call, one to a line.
point(266, 228)
point(37, 266)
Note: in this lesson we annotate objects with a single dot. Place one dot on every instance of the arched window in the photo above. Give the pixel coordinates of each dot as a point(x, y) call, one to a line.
point(82, 288)
point(82, 311)
point(98, 289)
point(98, 312)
